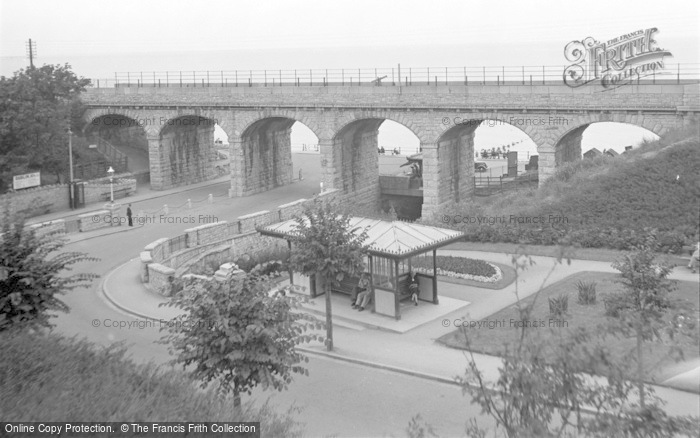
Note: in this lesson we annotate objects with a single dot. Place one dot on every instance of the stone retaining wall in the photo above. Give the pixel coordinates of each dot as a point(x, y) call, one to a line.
point(37, 200)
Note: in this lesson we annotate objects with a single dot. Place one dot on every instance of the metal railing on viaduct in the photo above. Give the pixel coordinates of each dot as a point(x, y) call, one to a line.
point(391, 76)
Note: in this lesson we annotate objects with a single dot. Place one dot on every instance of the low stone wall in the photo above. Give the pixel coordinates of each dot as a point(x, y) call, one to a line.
point(94, 220)
point(248, 222)
point(43, 228)
point(208, 233)
point(158, 249)
point(146, 260)
point(210, 240)
point(288, 211)
point(160, 278)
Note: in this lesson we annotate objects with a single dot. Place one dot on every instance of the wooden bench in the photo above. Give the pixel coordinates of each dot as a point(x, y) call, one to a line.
point(404, 292)
point(347, 286)
point(404, 282)
point(120, 193)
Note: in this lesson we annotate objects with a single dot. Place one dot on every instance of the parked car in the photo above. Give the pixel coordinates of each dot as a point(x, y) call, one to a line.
point(480, 166)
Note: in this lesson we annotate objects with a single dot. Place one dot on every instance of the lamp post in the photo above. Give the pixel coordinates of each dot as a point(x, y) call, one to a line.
point(70, 167)
point(70, 153)
point(110, 171)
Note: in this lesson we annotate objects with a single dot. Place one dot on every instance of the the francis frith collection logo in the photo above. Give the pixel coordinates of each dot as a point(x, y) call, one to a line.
point(616, 62)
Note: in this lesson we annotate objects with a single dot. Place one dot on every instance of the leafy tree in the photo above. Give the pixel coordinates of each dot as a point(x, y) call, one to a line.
point(37, 107)
point(32, 275)
point(237, 334)
point(326, 247)
point(643, 307)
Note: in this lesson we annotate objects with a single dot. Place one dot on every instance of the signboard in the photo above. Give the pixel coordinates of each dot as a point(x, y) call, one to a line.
point(92, 146)
point(27, 180)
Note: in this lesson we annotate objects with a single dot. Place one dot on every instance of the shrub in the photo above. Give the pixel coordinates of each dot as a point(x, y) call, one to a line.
point(280, 255)
point(614, 304)
point(34, 273)
point(245, 262)
point(559, 306)
point(586, 292)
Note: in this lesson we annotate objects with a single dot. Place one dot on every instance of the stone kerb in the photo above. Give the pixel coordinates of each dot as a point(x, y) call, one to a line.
point(248, 222)
point(161, 278)
point(206, 234)
point(94, 220)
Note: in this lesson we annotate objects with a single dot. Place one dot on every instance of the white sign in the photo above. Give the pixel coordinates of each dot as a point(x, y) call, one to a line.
point(92, 146)
point(27, 180)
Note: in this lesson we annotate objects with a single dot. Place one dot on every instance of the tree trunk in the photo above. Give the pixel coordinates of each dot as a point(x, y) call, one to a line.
point(329, 316)
point(237, 404)
point(640, 367)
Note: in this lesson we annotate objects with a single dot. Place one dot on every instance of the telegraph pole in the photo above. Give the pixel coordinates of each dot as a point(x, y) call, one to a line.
point(31, 49)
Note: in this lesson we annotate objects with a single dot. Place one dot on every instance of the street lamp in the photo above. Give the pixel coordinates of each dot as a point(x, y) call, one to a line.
point(70, 166)
point(70, 153)
point(110, 171)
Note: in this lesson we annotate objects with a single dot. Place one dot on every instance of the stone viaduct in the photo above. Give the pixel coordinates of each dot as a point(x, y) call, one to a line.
point(176, 124)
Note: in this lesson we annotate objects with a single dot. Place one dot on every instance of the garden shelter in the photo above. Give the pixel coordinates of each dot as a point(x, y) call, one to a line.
point(395, 248)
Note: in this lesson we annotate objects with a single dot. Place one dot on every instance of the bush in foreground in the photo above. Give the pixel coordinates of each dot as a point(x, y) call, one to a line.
point(51, 378)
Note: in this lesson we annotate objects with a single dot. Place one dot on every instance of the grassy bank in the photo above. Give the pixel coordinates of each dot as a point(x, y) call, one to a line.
point(603, 202)
point(49, 378)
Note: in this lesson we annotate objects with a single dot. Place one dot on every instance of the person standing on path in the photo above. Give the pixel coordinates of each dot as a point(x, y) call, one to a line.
point(128, 215)
point(695, 259)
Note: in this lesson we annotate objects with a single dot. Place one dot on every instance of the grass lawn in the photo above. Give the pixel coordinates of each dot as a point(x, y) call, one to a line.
point(494, 340)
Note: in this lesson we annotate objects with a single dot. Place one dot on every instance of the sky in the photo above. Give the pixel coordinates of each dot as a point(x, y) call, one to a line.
point(322, 34)
point(99, 38)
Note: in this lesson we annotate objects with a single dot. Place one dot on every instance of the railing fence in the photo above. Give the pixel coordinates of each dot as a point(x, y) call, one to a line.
point(391, 76)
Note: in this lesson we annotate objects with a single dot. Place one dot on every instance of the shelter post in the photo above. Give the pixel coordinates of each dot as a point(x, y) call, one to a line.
point(289, 270)
point(435, 295)
point(397, 307)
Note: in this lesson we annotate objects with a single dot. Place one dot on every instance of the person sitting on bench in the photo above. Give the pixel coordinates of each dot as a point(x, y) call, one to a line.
point(365, 294)
point(362, 284)
point(413, 287)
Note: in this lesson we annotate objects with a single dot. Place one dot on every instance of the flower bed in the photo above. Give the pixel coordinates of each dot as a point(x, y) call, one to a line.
point(460, 267)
